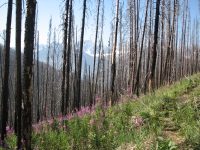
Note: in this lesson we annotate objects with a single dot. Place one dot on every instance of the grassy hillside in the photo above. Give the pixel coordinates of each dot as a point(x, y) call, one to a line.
point(167, 119)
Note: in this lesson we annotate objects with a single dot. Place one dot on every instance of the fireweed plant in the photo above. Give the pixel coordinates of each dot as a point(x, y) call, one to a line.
point(132, 123)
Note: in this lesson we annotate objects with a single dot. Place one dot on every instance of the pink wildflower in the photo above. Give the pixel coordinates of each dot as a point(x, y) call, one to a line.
point(36, 129)
point(9, 131)
point(98, 98)
point(138, 121)
point(7, 128)
point(111, 125)
point(128, 89)
point(61, 119)
point(87, 110)
point(69, 117)
point(82, 110)
point(35, 147)
point(50, 121)
point(79, 114)
point(64, 126)
point(23, 142)
point(91, 121)
point(116, 132)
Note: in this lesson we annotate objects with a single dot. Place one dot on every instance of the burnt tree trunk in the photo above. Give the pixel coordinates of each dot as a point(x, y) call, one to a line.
point(64, 59)
point(80, 58)
point(94, 62)
point(18, 86)
point(136, 88)
point(154, 48)
point(69, 56)
point(27, 72)
point(4, 94)
point(38, 83)
point(113, 63)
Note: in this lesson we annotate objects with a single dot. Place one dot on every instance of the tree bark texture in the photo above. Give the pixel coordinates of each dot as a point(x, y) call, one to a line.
point(4, 94)
point(154, 49)
point(27, 72)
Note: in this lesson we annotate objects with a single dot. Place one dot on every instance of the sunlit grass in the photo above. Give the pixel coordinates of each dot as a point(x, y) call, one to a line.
point(136, 122)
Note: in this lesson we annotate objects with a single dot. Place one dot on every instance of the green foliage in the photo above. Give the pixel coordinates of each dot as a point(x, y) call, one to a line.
point(11, 140)
point(127, 109)
point(161, 144)
point(113, 127)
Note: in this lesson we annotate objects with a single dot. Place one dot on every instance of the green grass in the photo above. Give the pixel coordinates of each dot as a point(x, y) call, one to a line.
point(173, 110)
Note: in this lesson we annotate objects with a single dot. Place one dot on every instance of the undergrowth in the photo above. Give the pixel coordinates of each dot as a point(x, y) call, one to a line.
point(138, 123)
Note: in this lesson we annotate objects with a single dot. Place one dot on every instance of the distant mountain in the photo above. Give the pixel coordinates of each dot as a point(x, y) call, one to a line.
point(89, 47)
point(44, 49)
point(88, 52)
point(43, 53)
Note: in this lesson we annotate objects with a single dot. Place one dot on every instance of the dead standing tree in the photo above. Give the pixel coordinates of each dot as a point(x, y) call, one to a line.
point(53, 75)
point(113, 63)
point(46, 102)
point(148, 46)
point(4, 94)
point(136, 88)
point(154, 48)
point(77, 100)
point(27, 72)
point(64, 58)
point(38, 83)
point(68, 57)
point(95, 49)
point(18, 86)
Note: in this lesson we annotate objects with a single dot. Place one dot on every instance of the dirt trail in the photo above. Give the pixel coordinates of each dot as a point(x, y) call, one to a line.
point(170, 129)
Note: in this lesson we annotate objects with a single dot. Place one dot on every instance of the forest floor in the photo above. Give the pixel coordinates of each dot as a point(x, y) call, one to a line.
point(179, 118)
point(168, 119)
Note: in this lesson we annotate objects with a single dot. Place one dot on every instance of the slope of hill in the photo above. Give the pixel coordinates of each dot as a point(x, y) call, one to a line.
point(166, 119)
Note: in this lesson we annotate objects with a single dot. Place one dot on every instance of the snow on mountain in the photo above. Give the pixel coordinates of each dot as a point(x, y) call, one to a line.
point(89, 48)
point(88, 53)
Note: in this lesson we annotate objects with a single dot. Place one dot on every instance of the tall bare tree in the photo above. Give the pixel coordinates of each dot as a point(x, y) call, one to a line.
point(154, 48)
point(148, 46)
point(197, 45)
point(136, 88)
point(27, 72)
point(69, 56)
point(47, 68)
point(131, 48)
point(113, 62)
point(168, 47)
point(95, 49)
point(38, 79)
point(162, 41)
point(64, 58)
point(136, 37)
point(18, 87)
point(4, 94)
point(77, 101)
point(173, 49)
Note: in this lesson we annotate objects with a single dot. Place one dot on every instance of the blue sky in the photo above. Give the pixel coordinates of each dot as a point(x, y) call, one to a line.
point(48, 8)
